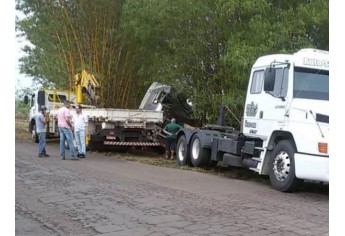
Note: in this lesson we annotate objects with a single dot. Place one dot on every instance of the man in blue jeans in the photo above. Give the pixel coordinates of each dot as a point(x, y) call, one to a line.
point(65, 129)
point(40, 123)
point(79, 122)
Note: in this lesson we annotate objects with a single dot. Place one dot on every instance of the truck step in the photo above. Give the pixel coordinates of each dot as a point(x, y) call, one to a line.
point(257, 159)
point(255, 169)
point(259, 148)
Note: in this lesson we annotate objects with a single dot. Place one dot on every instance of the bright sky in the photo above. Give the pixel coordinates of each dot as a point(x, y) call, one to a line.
point(22, 81)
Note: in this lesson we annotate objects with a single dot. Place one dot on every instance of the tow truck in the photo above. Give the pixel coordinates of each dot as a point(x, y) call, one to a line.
point(108, 128)
point(285, 127)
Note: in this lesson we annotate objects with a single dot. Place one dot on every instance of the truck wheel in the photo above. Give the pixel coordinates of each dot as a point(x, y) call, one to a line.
point(34, 135)
point(182, 152)
point(199, 156)
point(282, 168)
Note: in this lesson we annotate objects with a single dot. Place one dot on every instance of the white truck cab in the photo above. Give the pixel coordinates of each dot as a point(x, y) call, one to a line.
point(285, 128)
point(287, 106)
point(51, 98)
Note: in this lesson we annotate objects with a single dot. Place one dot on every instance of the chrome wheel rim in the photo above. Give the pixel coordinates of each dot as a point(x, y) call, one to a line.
point(281, 166)
point(180, 151)
point(195, 149)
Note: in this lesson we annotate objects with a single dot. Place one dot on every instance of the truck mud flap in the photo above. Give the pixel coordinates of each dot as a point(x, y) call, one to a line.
point(96, 143)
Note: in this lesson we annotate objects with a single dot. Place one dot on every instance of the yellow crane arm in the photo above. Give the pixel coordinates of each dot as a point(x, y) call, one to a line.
point(86, 82)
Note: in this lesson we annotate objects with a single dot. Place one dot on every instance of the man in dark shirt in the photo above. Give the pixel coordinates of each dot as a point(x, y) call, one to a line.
point(171, 130)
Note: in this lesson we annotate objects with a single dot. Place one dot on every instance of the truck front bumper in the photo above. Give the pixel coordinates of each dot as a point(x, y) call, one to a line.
point(312, 167)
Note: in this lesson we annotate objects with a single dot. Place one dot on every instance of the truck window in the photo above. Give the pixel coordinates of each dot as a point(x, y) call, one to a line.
point(257, 82)
point(58, 98)
point(311, 84)
point(281, 82)
point(41, 98)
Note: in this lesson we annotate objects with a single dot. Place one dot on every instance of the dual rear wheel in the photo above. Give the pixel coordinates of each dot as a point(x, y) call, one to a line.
point(281, 166)
point(194, 155)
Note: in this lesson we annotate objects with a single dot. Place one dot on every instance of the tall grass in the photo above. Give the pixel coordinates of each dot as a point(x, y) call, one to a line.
point(21, 110)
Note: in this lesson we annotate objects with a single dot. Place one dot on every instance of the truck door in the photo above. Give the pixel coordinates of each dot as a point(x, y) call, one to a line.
point(265, 111)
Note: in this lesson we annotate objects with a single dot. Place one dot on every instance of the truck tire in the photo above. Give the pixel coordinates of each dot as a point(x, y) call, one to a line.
point(282, 168)
point(182, 152)
point(34, 135)
point(199, 156)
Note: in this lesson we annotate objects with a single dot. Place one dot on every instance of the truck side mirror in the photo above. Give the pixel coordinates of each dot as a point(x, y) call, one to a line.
point(26, 99)
point(270, 75)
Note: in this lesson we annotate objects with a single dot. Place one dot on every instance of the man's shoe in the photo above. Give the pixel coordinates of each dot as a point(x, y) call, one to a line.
point(62, 158)
point(75, 159)
point(40, 155)
point(82, 156)
point(46, 155)
point(78, 155)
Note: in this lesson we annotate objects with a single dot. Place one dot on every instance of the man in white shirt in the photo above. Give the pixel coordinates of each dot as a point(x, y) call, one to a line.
point(80, 130)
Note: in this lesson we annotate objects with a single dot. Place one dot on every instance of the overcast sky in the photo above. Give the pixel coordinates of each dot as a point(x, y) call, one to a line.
point(22, 81)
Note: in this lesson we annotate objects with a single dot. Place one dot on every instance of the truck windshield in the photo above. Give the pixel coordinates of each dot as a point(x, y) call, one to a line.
point(311, 84)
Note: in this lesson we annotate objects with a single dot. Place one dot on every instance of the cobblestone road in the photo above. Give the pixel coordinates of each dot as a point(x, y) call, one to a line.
point(104, 196)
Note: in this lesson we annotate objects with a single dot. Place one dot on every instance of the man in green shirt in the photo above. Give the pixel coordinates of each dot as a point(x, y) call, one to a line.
point(171, 130)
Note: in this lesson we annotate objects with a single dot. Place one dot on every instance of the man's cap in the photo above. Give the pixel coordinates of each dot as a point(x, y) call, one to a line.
point(173, 120)
point(43, 108)
point(78, 106)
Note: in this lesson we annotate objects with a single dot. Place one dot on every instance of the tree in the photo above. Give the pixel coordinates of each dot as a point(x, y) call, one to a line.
point(203, 48)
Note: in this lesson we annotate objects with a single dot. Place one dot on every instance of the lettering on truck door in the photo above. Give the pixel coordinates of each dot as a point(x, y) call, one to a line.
point(265, 111)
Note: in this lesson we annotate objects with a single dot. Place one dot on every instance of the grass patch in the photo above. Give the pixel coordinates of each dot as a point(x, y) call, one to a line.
point(22, 130)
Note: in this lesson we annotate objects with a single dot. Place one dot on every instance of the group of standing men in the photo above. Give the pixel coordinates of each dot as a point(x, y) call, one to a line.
point(78, 123)
point(67, 125)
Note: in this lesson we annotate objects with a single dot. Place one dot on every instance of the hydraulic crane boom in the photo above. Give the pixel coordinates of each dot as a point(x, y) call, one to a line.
point(86, 83)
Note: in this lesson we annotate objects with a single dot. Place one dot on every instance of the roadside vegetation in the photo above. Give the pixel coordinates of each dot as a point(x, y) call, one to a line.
point(21, 110)
point(202, 48)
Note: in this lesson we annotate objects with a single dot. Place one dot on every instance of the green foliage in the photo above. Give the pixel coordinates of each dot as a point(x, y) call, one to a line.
point(203, 48)
point(21, 110)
